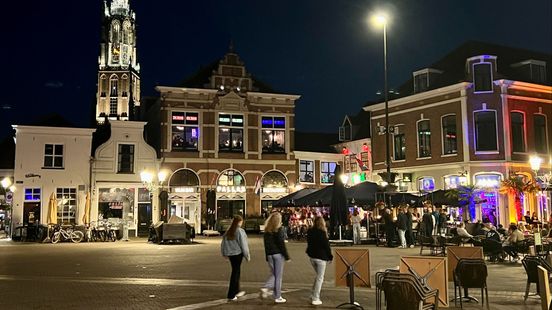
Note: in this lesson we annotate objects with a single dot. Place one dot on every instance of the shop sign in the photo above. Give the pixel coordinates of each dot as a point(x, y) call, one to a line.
point(184, 189)
point(116, 205)
point(231, 189)
point(487, 180)
point(143, 195)
point(453, 181)
point(274, 189)
point(426, 184)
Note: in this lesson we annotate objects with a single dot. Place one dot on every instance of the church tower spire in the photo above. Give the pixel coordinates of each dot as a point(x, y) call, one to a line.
point(118, 92)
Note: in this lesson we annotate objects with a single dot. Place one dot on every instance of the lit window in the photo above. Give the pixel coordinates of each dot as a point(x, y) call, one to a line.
point(327, 174)
point(32, 194)
point(273, 134)
point(126, 158)
point(424, 139)
point(450, 145)
point(485, 131)
point(53, 156)
point(67, 205)
point(231, 133)
point(306, 171)
point(482, 77)
point(539, 124)
point(517, 123)
point(185, 131)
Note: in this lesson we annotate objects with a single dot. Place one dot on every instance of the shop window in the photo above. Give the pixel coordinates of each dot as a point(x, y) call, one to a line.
point(482, 77)
point(32, 194)
point(231, 133)
point(399, 144)
point(306, 171)
point(539, 124)
point(231, 178)
point(53, 156)
point(185, 131)
point(424, 139)
point(126, 158)
point(485, 131)
point(327, 174)
point(273, 134)
point(67, 205)
point(184, 178)
point(450, 142)
point(517, 122)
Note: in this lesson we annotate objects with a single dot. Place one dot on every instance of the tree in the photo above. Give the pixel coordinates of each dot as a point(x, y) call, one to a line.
point(517, 186)
point(466, 196)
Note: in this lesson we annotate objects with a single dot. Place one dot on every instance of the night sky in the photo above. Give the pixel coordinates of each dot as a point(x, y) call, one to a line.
point(323, 50)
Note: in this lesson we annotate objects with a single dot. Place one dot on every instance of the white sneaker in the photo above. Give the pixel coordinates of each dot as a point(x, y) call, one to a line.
point(265, 292)
point(317, 302)
point(411, 246)
point(233, 299)
point(280, 300)
point(240, 294)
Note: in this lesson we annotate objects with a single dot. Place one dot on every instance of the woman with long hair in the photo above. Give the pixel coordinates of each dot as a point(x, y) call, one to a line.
point(234, 247)
point(276, 254)
point(319, 252)
point(355, 221)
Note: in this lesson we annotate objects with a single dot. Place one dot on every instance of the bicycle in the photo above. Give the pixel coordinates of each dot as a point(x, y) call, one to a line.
point(61, 234)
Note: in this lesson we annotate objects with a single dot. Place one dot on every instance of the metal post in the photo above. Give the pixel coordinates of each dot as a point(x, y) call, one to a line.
point(386, 95)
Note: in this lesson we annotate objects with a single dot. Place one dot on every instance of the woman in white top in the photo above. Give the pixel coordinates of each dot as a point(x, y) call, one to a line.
point(355, 220)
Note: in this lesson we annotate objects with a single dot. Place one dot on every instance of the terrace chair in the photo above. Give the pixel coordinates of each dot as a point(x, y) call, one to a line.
point(530, 264)
point(471, 273)
point(404, 293)
point(427, 243)
point(379, 284)
point(492, 249)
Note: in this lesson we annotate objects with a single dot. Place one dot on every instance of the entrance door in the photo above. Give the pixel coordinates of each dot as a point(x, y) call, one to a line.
point(489, 207)
point(144, 219)
point(226, 209)
point(31, 208)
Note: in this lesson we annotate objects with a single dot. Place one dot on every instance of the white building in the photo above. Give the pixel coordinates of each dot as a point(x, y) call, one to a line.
point(51, 160)
point(118, 190)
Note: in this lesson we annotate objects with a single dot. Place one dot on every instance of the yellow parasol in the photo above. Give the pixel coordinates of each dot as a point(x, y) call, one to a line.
point(86, 216)
point(52, 209)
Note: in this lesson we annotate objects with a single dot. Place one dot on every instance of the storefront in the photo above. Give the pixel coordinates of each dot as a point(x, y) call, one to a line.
point(185, 198)
point(488, 185)
point(117, 204)
point(274, 185)
point(144, 211)
point(230, 194)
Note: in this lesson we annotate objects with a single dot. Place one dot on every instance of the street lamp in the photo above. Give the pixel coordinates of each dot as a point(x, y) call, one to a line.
point(151, 185)
point(535, 163)
point(7, 185)
point(380, 20)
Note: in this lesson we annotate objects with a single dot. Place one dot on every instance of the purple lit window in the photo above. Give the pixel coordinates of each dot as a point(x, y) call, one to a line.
point(185, 131)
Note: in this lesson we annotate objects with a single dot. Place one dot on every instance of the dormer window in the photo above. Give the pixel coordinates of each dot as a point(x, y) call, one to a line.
point(482, 71)
point(531, 70)
point(346, 130)
point(425, 78)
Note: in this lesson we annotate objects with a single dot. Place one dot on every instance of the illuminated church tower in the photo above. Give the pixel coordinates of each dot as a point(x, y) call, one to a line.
point(118, 75)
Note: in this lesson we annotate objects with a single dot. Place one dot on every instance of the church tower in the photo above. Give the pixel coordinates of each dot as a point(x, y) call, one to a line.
point(119, 71)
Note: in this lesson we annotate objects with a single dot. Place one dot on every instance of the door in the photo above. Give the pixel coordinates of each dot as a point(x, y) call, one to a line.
point(31, 210)
point(144, 219)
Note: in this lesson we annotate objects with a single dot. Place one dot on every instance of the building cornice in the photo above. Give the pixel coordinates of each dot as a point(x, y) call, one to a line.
point(62, 131)
point(185, 90)
point(271, 95)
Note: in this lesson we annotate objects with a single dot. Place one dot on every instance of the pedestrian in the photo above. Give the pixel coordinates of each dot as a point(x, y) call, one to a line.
point(319, 252)
point(389, 227)
point(276, 254)
point(409, 233)
point(355, 221)
point(443, 222)
point(235, 248)
point(402, 224)
point(427, 222)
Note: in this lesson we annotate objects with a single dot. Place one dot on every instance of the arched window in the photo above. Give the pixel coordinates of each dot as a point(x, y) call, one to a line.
point(103, 85)
point(114, 86)
point(231, 177)
point(424, 139)
point(184, 178)
point(274, 179)
point(127, 33)
point(115, 42)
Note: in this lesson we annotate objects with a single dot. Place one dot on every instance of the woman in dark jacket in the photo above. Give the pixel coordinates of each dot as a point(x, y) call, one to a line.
point(276, 255)
point(318, 249)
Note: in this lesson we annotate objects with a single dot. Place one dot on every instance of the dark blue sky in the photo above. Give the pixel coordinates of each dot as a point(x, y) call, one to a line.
point(320, 49)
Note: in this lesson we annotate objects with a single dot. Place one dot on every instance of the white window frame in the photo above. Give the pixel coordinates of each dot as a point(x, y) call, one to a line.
point(545, 131)
point(342, 129)
point(443, 138)
point(313, 171)
point(54, 156)
point(244, 149)
point(524, 131)
point(261, 129)
point(62, 206)
point(198, 126)
point(331, 172)
point(32, 194)
point(418, 139)
point(497, 151)
point(481, 62)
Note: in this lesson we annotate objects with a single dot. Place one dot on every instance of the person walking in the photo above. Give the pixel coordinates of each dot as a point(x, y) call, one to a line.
point(276, 254)
point(428, 222)
point(402, 224)
point(409, 233)
point(234, 247)
point(319, 252)
point(389, 227)
point(355, 221)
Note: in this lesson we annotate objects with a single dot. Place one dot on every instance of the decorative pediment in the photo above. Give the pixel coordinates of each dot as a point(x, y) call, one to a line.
point(232, 102)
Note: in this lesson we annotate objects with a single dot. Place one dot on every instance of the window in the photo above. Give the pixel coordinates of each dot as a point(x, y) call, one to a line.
point(231, 178)
point(231, 133)
point(103, 86)
point(485, 131)
point(115, 38)
point(538, 73)
point(53, 156)
point(517, 122)
point(273, 134)
point(539, 124)
point(352, 163)
point(426, 184)
point(126, 158)
point(113, 106)
point(421, 82)
point(424, 139)
point(482, 77)
point(32, 194)
point(185, 131)
point(327, 172)
point(399, 144)
point(306, 171)
point(448, 124)
point(67, 205)
point(114, 87)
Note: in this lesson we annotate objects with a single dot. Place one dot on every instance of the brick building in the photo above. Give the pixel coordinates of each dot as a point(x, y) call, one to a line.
point(473, 117)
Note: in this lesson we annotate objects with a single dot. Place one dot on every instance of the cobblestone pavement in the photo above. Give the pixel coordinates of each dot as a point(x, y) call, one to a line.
point(138, 275)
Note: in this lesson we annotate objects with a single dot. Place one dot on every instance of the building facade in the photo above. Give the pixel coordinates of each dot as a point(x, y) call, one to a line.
point(479, 131)
point(118, 93)
point(51, 161)
point(225, 133)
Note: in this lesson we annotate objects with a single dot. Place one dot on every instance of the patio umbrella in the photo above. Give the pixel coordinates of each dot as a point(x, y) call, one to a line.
point(338, 204)
point(363, 193)
point(52, 210)
point(291, 198)
point(322, 197)
point(86, 216)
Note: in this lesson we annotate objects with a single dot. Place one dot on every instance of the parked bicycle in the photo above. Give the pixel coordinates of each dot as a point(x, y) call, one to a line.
point(63, 234)
point(103, 231)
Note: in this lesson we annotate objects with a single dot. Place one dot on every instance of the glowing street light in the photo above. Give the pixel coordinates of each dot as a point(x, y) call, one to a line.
point(535, 163)
point(6, 182)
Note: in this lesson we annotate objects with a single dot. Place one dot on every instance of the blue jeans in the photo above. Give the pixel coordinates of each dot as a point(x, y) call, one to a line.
point(320, 268)
point(274, 282)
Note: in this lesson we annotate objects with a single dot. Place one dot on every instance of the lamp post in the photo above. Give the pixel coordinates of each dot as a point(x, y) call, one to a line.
point(535, 163)
point(9, 188)
point(380, 20)
point(151, 185)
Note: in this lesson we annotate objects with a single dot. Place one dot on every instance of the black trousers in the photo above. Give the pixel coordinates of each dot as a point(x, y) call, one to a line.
point(235, 262)
point(409, 237)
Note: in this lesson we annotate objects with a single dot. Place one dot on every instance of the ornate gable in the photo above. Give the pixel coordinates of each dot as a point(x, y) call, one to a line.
point(231, 102)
